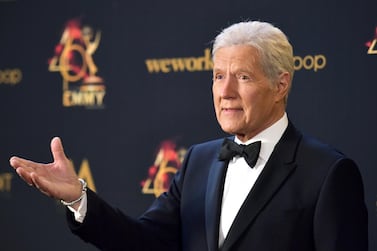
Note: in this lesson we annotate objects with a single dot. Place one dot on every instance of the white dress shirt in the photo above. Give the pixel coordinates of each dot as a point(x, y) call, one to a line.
point(240, 178)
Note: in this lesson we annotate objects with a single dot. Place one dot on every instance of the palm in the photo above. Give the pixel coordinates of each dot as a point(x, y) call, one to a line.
point(57, 179)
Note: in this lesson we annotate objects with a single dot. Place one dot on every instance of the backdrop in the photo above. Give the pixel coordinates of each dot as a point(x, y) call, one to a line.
point(127, 86)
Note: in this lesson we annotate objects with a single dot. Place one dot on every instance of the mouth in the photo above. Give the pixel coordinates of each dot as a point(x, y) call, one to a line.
point(230, 109)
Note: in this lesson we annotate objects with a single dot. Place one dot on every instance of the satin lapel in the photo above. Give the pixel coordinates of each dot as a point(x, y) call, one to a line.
point(276, 171)
point(213, 202)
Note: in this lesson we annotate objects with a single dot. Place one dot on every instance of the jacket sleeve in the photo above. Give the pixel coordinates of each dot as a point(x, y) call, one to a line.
point(159, 228)
point(109, 229)
point(341, 220)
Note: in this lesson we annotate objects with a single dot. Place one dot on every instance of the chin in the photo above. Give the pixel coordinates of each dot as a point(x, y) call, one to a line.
point(229, 130)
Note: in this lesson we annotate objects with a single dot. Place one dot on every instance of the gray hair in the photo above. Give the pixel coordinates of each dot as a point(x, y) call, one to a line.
point(274, 49)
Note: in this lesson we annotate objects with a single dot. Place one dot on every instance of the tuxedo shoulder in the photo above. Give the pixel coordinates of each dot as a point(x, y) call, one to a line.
point(210, 143)
point(208, 148)
point(316, 147)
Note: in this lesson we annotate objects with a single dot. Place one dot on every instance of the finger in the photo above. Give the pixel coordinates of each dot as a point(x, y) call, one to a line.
point(27, 165)
point(40, 184)
point(17, 162)
point(14, 162)
point(57, 149)
point(25, 176)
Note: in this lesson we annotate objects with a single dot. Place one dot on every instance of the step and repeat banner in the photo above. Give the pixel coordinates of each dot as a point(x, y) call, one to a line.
point(127, 86)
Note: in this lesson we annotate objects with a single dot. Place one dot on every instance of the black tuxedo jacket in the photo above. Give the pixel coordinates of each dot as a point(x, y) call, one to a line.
point(308, 197)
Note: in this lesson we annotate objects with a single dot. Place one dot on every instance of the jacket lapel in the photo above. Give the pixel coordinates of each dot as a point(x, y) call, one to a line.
point(275, 172)
point(215, 187)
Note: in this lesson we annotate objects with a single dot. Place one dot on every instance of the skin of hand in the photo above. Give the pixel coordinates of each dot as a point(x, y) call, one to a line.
point(57, 179)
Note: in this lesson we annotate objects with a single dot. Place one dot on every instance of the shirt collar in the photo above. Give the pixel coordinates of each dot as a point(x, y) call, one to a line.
point(268, 137)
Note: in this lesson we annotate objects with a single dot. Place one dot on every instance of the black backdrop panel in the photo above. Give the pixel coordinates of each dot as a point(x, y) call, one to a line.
point(140, 95)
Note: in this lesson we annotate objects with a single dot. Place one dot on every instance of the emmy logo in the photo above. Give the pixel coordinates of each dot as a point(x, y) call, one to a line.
point(73, 58)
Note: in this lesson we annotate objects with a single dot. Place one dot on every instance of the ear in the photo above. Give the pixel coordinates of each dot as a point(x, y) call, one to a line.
point(282, 86)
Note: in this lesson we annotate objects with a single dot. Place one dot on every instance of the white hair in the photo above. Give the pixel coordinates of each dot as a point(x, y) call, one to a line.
point(273, 47)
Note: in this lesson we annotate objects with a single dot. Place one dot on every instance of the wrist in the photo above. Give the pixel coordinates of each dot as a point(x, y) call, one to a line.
point(83, 191)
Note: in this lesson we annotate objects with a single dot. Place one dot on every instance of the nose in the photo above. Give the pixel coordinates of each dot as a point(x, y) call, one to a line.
point(228, 87)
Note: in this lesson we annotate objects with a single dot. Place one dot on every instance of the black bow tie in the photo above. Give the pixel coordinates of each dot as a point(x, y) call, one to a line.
point(250, 152)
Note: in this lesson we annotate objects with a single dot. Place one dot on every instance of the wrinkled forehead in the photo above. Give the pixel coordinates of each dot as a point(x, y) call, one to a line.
point(239, 55)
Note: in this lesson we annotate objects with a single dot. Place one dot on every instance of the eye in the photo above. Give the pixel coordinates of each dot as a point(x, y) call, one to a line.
point(243, 77)
point(218, 76)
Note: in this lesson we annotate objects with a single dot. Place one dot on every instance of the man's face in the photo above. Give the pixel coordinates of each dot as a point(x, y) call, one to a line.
point(245, 101)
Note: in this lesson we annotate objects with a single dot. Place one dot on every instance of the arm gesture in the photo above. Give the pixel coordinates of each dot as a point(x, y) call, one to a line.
point(57, 179)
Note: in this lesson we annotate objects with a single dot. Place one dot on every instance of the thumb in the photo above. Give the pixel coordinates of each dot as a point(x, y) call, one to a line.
point(57, 149)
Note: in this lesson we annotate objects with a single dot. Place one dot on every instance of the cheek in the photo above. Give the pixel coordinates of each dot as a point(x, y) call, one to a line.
point(250, 103)
point(254, 106)
point(214, 90)
point(215, 97)
point(259, 106)
point(217, 110)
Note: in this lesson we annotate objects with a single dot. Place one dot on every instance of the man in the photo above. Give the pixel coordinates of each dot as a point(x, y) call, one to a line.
point(296, 194)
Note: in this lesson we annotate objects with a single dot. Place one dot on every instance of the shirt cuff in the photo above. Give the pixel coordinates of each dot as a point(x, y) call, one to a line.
point(80, 213)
